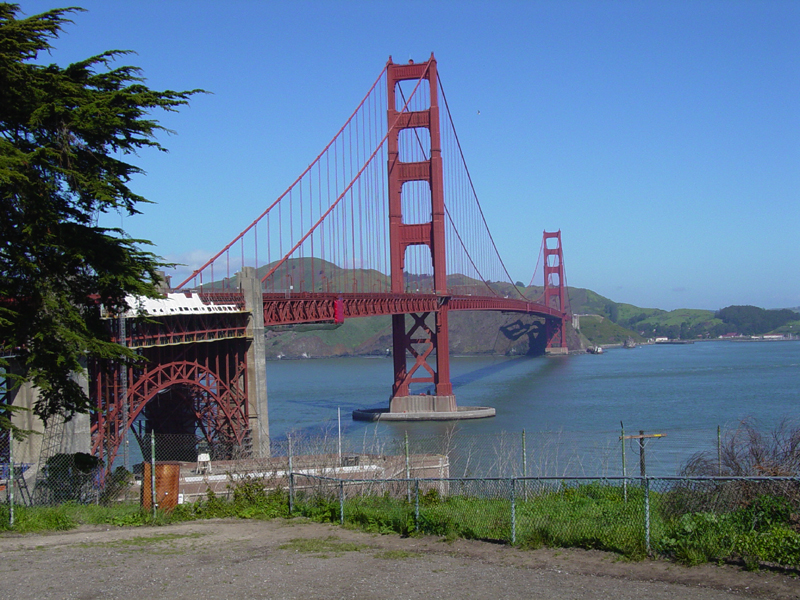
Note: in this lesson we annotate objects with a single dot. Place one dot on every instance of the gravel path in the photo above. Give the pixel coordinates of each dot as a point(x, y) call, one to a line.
point(232, 559)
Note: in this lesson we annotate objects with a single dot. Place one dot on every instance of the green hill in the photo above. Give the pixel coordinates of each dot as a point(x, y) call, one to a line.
point(603, 322)
point(601, 331)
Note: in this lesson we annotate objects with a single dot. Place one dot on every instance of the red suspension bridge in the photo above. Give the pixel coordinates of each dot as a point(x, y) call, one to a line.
point(385, 221)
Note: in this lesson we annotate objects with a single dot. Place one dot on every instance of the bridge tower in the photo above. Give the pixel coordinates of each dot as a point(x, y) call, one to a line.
point(418, 339)
point(554, 292)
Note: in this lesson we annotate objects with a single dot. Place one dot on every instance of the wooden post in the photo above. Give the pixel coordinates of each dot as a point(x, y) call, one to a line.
point(641, 437)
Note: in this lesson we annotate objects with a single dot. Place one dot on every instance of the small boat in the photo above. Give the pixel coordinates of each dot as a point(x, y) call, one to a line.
point(595, 349)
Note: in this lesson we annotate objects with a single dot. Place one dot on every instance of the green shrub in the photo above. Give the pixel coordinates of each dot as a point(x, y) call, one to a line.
point(778, 545)
point(764, 513)
point(698, 538)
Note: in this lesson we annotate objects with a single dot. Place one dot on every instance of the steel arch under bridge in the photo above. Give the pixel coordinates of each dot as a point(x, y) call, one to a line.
point(192, 380)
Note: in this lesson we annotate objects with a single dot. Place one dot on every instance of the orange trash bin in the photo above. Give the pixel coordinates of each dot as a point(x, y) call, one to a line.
point(168, 475)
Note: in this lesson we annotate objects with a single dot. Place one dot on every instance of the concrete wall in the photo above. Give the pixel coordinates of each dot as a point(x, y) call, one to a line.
point(76, 432)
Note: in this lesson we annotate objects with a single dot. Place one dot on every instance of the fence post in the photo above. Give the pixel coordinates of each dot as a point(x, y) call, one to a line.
point(642, 467)
point(341, 502)
point(339, 418)
point(647, 514)
point(416, 504)
point(291, 476)
point(11, 478)
point(525, 466)
point(513, 511)
point(408, 470)
point(153, 471)
point(624, 465)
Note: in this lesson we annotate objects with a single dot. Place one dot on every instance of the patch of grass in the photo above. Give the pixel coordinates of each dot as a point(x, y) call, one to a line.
point(329, 544)
point(38, 519)
point(144, 541)
point(397, 554)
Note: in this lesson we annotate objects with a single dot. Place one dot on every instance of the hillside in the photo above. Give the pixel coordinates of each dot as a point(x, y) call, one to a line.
point(471, 332)
point(603, 321)
point(684, 323)
point(602, 331)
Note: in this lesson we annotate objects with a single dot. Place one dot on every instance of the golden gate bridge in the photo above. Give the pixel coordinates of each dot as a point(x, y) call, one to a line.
point(384, 221)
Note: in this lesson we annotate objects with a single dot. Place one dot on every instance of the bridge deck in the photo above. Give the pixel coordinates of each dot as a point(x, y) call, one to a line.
point(204, 325)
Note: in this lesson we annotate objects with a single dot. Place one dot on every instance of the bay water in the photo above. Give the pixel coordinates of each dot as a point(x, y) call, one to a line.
point(574, 406)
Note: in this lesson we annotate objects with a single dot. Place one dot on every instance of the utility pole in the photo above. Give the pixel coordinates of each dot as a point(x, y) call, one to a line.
point(641, 437)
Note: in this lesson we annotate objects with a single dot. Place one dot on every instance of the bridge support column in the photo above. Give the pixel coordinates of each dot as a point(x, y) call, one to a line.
point(555, 292)
point(421, 342)
point(256, 363)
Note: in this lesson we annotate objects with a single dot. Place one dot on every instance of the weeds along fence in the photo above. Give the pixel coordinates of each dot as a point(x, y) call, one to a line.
point(522, 454)
point(694, 520)
point(389, 452)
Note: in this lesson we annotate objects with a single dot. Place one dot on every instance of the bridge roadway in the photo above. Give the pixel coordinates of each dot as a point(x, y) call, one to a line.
point(190, 317)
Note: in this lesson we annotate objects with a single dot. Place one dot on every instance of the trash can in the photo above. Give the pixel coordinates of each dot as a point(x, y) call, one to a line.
point(168, 475)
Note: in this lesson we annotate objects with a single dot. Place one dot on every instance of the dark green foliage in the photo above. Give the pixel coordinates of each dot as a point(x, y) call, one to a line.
point(696, 538)
point(116, 486)
point(751, 320)
point(430, 498)
point(71, 478)
point(764, 513)
point(213, 507)
point(251, 500)
point(381, 515)
point(760, 531)
point(63, 135)
point(612, 311)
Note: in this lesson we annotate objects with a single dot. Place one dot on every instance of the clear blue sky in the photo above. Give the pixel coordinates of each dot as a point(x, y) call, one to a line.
point(662, 138)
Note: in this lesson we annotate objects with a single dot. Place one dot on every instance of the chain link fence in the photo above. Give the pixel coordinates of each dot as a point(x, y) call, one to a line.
point(60, 477)
point(529, 489)
point(692, 519)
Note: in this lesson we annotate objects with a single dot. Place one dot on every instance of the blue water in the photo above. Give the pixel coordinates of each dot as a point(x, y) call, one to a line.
point(684, 391)
point(654, 387)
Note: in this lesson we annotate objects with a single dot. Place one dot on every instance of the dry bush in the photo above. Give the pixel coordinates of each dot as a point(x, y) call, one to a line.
point(745, 452)
point(749, 452)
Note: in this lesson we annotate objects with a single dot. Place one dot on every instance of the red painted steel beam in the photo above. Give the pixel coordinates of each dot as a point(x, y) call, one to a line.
point(311, 308)
point(183, 329)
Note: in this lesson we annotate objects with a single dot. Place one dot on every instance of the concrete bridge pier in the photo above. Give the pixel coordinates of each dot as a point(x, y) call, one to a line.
point(67, 437)
point(257, 408)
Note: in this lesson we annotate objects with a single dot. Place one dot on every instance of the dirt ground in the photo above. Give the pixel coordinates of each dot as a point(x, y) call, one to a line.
point(232, 559)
